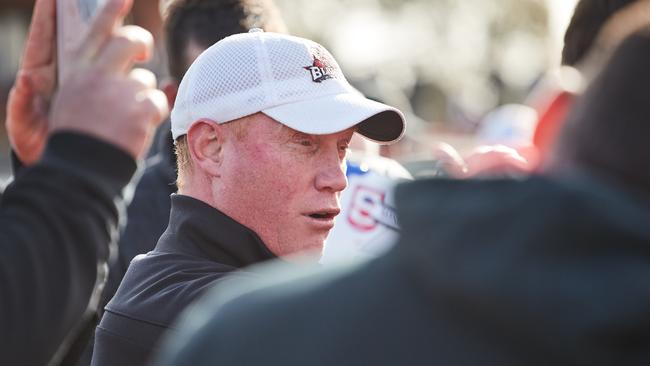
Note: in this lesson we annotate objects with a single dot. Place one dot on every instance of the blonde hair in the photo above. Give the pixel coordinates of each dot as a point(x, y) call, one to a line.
point(183, 161)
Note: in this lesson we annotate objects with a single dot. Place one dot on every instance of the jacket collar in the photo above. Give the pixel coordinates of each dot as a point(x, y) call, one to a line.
point(196, 228)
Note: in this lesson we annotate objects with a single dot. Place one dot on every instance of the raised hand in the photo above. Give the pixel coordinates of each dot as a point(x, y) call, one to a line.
point(101, 95)
point(30, 97)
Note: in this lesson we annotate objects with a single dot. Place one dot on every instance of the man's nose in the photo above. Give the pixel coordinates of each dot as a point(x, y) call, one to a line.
point(331, 175)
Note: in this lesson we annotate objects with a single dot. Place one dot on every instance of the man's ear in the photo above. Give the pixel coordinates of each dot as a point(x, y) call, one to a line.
point(170, 88)
point(205, 141)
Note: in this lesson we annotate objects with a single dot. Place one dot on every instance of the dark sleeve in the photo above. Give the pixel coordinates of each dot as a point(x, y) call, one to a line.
point(57, 220)
point(16, 165)
point(148, 216)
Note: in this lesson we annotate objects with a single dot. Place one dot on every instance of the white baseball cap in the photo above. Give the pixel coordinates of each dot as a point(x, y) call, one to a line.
point(293, 80)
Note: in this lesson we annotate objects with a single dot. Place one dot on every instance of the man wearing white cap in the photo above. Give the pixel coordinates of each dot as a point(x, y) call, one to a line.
point(262, 123)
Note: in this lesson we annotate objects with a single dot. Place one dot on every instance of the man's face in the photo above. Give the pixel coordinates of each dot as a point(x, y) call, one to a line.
point(283, 184)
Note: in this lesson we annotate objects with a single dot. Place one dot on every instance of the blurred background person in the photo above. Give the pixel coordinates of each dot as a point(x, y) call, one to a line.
point(366, 226)
point(553, 96)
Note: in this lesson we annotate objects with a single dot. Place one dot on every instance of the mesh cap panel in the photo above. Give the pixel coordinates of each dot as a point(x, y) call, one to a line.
point(259, 72)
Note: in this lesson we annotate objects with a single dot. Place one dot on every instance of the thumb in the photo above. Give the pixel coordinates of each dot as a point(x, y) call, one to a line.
point(21, 95)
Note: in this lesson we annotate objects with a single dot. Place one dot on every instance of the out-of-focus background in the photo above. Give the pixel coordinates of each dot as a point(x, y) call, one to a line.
point(447, 63)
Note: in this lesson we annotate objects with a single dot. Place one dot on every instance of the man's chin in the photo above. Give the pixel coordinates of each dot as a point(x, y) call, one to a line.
point(311, 247)
point(310, 255)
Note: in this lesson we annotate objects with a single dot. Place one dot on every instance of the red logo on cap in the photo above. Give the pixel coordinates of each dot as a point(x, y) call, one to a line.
point(319, 71)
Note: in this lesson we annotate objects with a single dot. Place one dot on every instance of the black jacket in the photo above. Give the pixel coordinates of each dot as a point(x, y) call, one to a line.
point(147, 218)
point(538, 272)
point(200, 246)
point(57, 220)
point(148, 211)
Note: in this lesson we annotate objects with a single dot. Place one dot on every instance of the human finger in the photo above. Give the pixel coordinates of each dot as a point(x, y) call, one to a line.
point(145, 77)
point(128, 45)
point(21, 94)
point(39, 47)
point(448, 161)
point(154, 104)
point(495, 160)
point(103, 26)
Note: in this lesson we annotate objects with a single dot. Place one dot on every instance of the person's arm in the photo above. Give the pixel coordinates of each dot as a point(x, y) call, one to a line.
point(56, 222)
point(58, 218)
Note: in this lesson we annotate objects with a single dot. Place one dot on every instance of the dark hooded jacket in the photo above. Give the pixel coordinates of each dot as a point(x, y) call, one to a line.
point(57, 220)
point(200, 246)
point(534, 272)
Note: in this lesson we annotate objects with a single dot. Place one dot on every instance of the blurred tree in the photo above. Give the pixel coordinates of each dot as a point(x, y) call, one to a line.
point(477, 53)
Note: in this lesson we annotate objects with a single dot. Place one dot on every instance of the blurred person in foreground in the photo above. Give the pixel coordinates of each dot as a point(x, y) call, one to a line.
point(261, 123)
point(60, 214)
point(550, 270)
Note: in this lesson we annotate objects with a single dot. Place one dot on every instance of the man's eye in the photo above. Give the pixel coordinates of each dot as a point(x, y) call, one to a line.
point(307, 143)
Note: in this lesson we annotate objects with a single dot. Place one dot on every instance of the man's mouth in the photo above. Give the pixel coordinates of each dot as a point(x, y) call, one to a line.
point(329, 214)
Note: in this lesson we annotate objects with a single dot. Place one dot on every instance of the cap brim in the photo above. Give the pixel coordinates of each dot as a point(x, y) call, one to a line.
point(335, 113)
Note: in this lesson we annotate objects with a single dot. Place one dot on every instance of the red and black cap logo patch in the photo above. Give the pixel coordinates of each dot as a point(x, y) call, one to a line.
point(320, 71)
